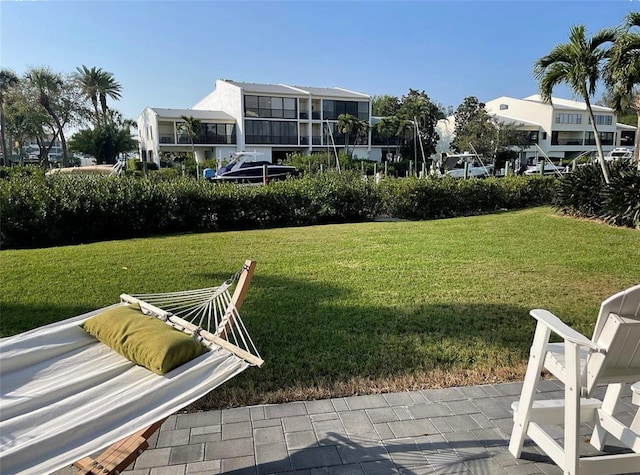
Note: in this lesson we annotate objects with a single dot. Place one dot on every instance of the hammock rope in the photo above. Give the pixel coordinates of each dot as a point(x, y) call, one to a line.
point(209, 314)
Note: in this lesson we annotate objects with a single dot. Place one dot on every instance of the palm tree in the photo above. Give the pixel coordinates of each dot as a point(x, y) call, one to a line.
point(191, 127)
point(347, 125)
point(623, 71)
point(108, 87)
point(386, 128)
point(577, 64)
point(97, 85)
point(8, 79)
point(88, 80)
point(361, 130)
point(48, 85)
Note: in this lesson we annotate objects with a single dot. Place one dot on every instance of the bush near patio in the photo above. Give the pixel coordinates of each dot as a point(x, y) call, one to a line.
point(39, 211)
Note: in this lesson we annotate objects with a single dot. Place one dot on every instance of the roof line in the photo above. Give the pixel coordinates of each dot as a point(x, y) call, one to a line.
point(296, 89)
point(352, 92)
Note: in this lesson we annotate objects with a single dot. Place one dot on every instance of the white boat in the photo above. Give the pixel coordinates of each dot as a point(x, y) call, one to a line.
point(248, 167)
point(619, 153)
point(472, 172)
point(549, 169)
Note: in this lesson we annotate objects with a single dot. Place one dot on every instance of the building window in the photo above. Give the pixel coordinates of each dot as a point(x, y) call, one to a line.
point(270, 107)
point(627, 138)
point(564, 118)
point(544, 136)
point(606, 138)
point(533, 137)
point(504, 107)
point(332, 109)
point(274, 132)
point(603, 119)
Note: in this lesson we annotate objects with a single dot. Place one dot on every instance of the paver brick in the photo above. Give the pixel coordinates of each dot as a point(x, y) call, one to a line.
point(297, 423)
point(366, 402)
point(315, 457)
point(239, 414)
point(301, 440)
point(168, 438)
point(236, 430)
point(320, 406)
point(268, 435)
point(186, 453)
point(285, 410)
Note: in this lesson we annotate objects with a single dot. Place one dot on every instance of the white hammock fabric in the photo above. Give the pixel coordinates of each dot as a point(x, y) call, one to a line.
point(65, 395)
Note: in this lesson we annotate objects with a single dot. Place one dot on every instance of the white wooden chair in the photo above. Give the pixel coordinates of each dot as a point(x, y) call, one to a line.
point(611, 357)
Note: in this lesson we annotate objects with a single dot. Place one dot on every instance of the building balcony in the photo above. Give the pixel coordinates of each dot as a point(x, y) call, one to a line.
point(566, 142)
point(201, 140)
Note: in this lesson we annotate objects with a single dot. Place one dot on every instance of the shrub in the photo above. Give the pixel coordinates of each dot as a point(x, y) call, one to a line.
point(40, 210)
point(413, 198)
point(584, 193)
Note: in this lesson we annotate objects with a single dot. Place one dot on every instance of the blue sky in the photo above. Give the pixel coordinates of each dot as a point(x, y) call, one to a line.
point(169, 54)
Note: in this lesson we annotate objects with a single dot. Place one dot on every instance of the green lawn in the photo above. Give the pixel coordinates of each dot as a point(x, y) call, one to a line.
point(354, 308)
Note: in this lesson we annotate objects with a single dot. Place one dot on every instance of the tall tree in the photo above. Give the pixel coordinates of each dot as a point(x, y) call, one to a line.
point(97, 85)
point(384, 106)
point(474, 128)
point(387, 128)
point(423, 115)
point(26, 119)
point(88, 80)
point(191, 127)
point(579, 65)
point(347, 124)
point(48, 86)
point(8, 80)
point(108, 87)
point(106, 141)
point(623, 72)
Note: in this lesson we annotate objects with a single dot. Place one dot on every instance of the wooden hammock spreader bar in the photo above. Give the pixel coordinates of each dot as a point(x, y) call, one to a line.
point(121, 454)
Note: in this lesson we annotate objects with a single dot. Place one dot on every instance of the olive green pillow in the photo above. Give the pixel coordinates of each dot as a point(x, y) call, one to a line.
point(143, 339)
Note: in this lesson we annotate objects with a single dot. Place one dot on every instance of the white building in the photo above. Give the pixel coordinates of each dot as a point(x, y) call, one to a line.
point(560, 129)
point(272, 119)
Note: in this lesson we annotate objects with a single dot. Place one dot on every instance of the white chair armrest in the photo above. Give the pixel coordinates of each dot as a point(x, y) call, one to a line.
point(562, 329)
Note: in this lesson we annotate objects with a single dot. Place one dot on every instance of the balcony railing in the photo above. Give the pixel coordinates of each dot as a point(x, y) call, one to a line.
point(566, 142)
point(272, 139)
point(602, 141)
point(208, 139)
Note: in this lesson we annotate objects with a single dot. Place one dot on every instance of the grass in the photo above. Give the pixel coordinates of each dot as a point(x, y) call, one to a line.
point(357, 308)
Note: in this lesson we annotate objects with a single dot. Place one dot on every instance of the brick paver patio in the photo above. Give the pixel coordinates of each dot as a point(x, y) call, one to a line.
point(442, 431)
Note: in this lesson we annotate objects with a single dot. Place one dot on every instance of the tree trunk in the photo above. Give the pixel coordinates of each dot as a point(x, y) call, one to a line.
point(603, 165)
point(6, 159)
point(636, 144)
point(193, 152)
point(44, 100)
point(94, 101)
point(65, 153)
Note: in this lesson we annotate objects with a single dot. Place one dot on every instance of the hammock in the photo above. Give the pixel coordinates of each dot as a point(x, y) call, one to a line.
point(65, 395)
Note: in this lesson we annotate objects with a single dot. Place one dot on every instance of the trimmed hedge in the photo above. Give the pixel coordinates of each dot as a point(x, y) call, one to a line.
point(413, 198)
point(40, 210)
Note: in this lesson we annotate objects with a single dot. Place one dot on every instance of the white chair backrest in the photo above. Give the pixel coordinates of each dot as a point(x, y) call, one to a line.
point(619, 362)
point(625, 303)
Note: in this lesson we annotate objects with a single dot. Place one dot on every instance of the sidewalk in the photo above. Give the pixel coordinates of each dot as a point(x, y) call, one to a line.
point(456, 430)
